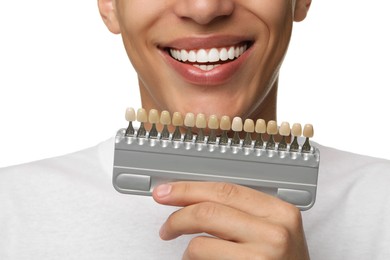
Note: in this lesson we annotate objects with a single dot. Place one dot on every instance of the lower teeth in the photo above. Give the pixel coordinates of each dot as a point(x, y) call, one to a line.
point(206, 67)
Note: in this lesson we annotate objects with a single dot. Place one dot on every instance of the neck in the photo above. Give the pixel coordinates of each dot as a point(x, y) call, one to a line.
point(267, 108)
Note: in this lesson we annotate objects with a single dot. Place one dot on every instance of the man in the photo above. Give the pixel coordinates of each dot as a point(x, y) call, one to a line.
point(245, 86)
point(167, 42)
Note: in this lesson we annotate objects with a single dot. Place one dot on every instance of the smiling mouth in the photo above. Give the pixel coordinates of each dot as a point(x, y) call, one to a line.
point(208, 59)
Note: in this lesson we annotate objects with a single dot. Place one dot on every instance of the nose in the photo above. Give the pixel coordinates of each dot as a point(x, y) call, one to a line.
point(203, 11)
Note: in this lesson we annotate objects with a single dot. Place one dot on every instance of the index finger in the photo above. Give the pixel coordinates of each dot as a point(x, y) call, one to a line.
point(243, 198)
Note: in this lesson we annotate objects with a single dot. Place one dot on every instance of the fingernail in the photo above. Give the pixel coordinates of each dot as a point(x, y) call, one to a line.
point(163, 190)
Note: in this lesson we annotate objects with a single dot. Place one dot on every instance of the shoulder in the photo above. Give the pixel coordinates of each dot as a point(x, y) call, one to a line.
point(96, 161)
point(45, 203)
point(348, 178)
point(348, 220)
point(340, 167)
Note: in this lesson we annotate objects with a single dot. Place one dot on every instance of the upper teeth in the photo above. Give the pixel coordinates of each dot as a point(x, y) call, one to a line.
point(212, 55)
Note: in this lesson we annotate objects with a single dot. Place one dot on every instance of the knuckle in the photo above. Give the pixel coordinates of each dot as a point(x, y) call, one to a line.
point(226, 192)
point(293, 216)
point(204, 211)
point(280, 237)
point(194, 248)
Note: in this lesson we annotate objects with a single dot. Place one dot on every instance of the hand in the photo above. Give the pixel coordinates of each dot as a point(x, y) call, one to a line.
point(243, 223)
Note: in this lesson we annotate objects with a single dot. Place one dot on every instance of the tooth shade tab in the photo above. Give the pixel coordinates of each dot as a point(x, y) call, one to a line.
point(209, 55)
point(213, 122)
point(284, 129)
point(189, 120)
point(237, 124)
point(165, 118)
point(261, 126)
point(200, 121)
point(225, 123)
point(177, 119)
point(130, 114)
point(296, 129)
point(153, 116)
point(249, 126)
point(272, 127)
point(142, 116)
point(308, 131)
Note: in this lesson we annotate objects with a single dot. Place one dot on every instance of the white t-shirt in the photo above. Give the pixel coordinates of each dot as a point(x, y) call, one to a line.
point(67, 208)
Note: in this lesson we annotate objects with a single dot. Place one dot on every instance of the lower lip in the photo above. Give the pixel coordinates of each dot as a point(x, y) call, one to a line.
point(216, 76)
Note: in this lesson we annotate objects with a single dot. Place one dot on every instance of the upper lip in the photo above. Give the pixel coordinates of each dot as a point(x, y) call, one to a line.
point(206, 42)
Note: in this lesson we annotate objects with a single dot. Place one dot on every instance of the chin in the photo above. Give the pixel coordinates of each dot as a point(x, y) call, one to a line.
point(210, 108)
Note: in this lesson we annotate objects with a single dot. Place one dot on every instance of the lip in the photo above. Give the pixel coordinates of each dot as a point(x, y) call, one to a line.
point(196, 76)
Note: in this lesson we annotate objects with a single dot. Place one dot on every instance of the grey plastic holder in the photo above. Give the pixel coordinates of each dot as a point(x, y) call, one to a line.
point(140, 164)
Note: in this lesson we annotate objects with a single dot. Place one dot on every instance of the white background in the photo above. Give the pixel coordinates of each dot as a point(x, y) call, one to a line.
point(65, 81)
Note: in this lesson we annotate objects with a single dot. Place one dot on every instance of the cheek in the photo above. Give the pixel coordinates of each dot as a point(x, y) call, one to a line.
point(278, 18)
point(274, 13)
point(137, 19)
point(138, 16)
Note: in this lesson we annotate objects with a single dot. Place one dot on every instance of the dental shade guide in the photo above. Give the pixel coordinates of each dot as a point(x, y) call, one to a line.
point(143, 160)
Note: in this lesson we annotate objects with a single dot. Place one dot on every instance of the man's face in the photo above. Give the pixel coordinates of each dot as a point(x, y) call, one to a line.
point(212, 56)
